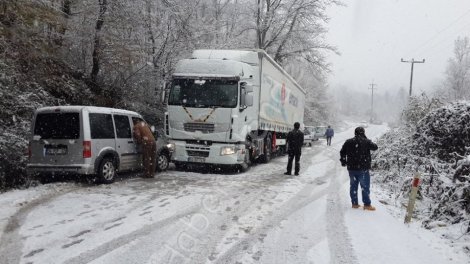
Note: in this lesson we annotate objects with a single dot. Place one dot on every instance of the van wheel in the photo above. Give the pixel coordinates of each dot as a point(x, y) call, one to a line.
point(162, 162)
point(107, 171)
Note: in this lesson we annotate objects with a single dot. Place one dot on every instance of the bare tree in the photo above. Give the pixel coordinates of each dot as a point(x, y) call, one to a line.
point(458, 70)
point(103, 5)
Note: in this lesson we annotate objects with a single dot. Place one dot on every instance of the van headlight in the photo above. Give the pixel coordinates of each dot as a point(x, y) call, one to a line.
point(171, 147)
point(227, 150)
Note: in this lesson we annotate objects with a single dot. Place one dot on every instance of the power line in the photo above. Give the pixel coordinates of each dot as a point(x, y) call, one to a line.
point(439, 32)
point(372, 101)
point(412, 64)
point(437, 44)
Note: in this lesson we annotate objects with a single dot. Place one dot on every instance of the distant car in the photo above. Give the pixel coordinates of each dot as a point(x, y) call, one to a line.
point(164, 150)
point(320, 131)
point(310, 135)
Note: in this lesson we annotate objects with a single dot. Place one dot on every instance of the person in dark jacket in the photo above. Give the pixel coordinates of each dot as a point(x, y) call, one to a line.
point(329, 133)
point(295, 140)
point(355, 154)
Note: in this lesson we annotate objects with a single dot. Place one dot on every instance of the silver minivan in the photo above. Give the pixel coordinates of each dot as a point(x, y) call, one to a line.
point(83, 140)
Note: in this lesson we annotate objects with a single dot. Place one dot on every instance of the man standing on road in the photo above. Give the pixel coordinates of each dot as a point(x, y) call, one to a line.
point(144, 137)
point(295, 140)
point(355, 154)
point(329, 133)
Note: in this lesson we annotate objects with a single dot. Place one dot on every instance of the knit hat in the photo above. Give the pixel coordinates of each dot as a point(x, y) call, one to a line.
point(359, 131)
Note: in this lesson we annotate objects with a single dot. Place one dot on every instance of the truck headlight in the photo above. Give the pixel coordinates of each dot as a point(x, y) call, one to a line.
point(171, 147)
point(227, 151)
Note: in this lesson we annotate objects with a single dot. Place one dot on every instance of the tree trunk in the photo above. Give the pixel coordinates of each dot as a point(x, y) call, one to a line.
point(97, 47)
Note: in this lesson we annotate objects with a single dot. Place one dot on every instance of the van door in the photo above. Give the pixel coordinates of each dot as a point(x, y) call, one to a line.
point(57, 139)
point(101, 133)
point(125, 145)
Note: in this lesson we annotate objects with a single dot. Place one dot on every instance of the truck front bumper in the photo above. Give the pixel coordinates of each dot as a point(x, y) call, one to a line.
point(215, 153)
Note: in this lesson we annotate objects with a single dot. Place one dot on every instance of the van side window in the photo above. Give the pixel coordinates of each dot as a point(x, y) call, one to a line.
point(123, 127)
point(136, 119)
point(101, 126)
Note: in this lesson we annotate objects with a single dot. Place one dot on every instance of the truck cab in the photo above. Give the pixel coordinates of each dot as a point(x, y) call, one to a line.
point(224, 108)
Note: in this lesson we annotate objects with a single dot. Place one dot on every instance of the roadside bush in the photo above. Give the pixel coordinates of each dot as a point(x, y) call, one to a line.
point(445, 132)
point(434, 141)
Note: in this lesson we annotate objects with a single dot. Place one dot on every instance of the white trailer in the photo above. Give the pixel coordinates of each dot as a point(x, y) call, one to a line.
point(231, 107)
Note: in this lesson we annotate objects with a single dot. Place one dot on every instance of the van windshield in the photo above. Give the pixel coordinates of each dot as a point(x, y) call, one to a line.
point(204, 93)
point(57, 126)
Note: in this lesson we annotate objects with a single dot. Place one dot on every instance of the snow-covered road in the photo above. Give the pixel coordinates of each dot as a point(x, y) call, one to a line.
point(260, 216)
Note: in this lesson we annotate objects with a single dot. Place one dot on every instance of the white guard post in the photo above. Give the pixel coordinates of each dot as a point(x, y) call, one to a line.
point(411, 202)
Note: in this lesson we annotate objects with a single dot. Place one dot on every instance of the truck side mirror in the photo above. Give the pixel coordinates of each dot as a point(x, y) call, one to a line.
point(249, 99)
point(246, 98)
point(165, 88)
point(163, 96)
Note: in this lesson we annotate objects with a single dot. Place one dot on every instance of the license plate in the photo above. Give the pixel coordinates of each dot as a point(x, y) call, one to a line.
point(196, 159)
point(56, 151)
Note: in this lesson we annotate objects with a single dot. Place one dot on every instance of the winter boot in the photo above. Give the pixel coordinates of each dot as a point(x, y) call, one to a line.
point(369, 208)
point(355, 206)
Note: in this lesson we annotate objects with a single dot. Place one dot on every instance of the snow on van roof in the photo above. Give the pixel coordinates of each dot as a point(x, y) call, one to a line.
point(72, 108)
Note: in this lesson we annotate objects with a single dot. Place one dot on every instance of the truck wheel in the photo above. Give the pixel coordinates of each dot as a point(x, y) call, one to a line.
point(267, 150)
point(107, 170)
point(246, 164)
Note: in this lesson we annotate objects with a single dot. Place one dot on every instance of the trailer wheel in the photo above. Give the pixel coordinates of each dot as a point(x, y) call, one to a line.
point(267, 150)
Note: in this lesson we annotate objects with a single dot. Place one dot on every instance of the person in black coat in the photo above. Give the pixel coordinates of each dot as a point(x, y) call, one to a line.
point(295, 140)
point(355, 154)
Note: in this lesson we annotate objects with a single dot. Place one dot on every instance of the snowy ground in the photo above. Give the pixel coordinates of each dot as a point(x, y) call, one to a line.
point(260, 216)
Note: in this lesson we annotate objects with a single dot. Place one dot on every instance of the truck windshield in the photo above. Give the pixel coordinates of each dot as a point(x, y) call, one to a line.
point(204, 93)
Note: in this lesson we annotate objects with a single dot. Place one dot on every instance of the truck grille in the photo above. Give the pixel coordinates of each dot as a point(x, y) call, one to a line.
point(197, 151)
point(203, 127)
point(193, 153)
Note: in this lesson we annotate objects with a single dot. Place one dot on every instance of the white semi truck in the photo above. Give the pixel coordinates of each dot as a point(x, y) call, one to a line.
point(231, 107)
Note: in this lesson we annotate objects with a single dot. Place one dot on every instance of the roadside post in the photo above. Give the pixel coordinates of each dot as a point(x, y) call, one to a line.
point(411, 202)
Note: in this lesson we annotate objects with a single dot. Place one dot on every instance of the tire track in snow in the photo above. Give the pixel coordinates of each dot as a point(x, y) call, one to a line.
point(300, 200)
point(339, 242)
point(109, 246)
point(11, 244)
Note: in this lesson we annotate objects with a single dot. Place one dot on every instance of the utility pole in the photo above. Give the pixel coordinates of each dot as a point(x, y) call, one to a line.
point(412, 64)
point(372, 101)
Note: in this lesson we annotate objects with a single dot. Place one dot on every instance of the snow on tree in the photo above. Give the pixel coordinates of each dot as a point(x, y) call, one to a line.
point(434, 141)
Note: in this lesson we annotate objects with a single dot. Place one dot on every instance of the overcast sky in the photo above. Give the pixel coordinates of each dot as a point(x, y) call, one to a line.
point(373, 35)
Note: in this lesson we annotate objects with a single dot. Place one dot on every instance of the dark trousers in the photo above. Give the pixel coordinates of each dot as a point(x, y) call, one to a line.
point(297, 162)
point(356, 178)
point(328, 141)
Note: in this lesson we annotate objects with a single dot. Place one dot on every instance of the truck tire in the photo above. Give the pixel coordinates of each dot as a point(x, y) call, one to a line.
point(107, 170)
point(267, 150)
